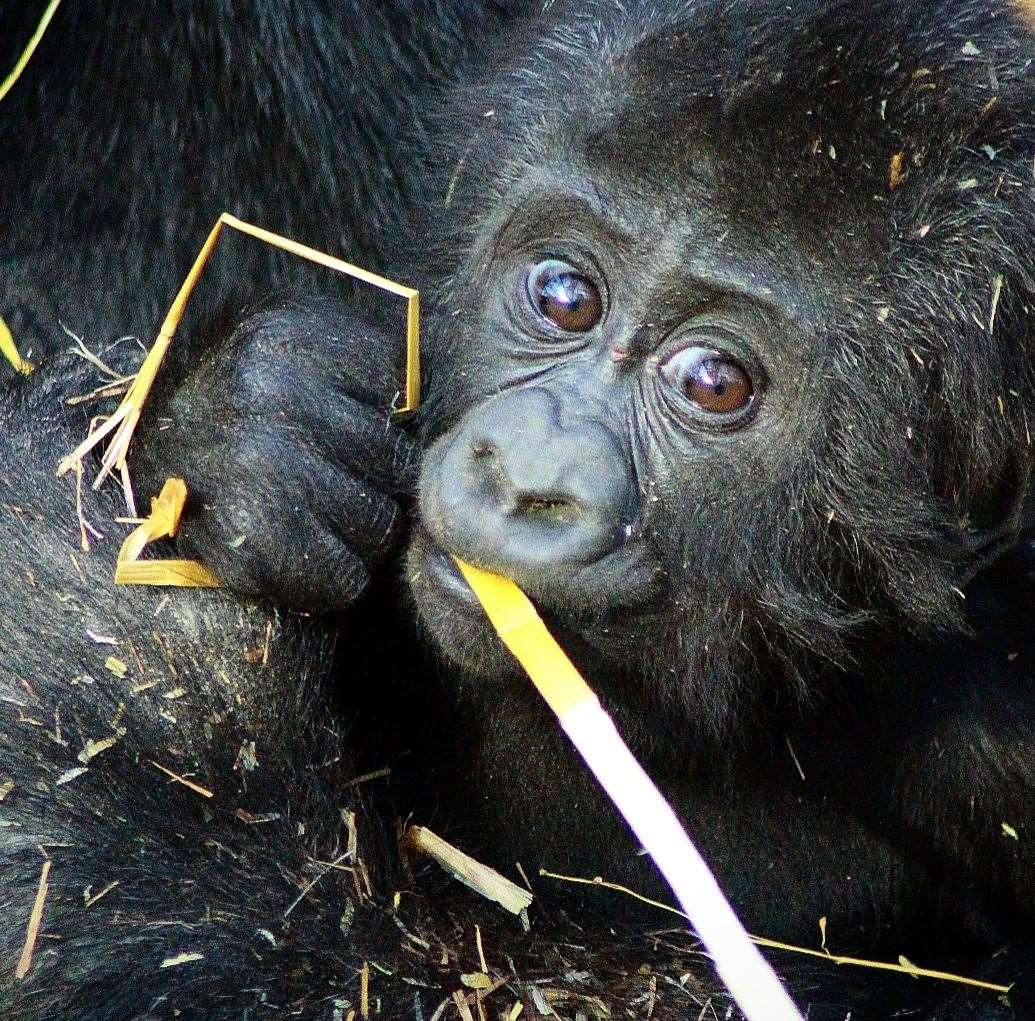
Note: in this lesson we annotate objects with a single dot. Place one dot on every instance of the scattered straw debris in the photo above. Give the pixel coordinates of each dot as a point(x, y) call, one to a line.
point(481, 948)
point(480, 878)
point(115, 388)
point(94, 748)
point(84, 525)
point(87, 355)
point(162, 523)
point(188, 957)
point(35, 920)
point(461, 1006)
point(89, 898)
point(308, 888)
point(352, 846)
point(101, 639)
point(197, 788)
point(895, 172)
point(69, 775)
point(997, 291)
point(377, 774)
point(364, 990)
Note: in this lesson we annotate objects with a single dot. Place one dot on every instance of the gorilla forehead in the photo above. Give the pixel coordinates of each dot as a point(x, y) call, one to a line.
point(679, 119)
point(816, 94)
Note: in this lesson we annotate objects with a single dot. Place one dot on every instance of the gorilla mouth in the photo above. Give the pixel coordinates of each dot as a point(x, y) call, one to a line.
point(441, 571)
point(437, 582)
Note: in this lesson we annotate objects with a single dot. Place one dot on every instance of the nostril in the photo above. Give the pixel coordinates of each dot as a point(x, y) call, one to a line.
point(491, 474)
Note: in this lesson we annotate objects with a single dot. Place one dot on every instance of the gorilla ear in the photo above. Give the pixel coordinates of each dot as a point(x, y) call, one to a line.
point(998, 519)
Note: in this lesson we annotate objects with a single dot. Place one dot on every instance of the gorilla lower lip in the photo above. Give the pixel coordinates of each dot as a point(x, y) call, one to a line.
point(447, 577)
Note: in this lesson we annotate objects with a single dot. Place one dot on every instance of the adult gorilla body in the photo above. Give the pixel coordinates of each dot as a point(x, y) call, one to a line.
point(745, 284)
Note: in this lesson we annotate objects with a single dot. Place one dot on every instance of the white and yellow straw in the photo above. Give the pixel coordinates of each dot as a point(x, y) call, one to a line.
point(747, 974)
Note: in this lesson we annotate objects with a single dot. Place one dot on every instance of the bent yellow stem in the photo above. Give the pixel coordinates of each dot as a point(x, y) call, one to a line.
point(162, 523)
point(124, 421)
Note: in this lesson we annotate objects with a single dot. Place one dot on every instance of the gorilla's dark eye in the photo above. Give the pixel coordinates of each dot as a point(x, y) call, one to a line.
point(713, 380)
point(566, 297)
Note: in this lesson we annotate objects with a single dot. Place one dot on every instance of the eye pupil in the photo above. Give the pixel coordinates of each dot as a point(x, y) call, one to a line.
point(713, 381)
point(567, 298)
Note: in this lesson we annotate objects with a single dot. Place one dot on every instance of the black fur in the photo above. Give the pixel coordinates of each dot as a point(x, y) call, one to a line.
point(813, 629)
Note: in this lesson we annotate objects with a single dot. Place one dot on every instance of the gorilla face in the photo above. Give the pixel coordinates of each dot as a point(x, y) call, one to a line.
point(702, 421)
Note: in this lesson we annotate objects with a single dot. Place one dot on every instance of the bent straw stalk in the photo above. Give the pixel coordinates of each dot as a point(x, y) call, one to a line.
point(163, 523)
point(124, 421)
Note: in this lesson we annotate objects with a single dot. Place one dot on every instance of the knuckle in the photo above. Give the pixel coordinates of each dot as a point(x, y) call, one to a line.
point(255, 354)
point(246, 457)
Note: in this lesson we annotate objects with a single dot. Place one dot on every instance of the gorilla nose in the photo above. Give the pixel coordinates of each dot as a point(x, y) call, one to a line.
point(521, 486)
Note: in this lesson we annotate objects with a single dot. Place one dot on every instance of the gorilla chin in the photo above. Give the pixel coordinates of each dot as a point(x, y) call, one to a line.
point(450, 613)
point(595, 624)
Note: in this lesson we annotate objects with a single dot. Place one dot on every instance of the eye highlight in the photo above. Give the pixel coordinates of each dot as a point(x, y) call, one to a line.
point(563, 296)
point(710, 379)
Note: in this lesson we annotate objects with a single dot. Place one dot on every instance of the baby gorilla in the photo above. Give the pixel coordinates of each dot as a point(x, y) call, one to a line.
point(728, 330)
point(729, 338)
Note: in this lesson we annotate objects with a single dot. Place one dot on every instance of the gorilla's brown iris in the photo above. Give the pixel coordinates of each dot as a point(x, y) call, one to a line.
point(564, 296)
point(711, 379)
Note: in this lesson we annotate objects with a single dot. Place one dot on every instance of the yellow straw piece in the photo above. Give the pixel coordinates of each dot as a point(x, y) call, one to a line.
point(163, 523)
point(772, 944)
point(748, 976)
point(523, 632)
point(8, 83)
point(123, 422)
point(9, 350)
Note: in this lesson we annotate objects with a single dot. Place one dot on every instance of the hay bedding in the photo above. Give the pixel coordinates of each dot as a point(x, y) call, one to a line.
point(458, 959)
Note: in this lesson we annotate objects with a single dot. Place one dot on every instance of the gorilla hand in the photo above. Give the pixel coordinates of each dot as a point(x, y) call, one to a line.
point(283, 432)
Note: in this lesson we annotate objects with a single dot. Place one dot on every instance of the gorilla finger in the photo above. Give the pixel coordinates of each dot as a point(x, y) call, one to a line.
point(256, 471)
point(358, 513)
point(301, 565)
point(250, 483)
point(358, 438)
point(314, 573)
